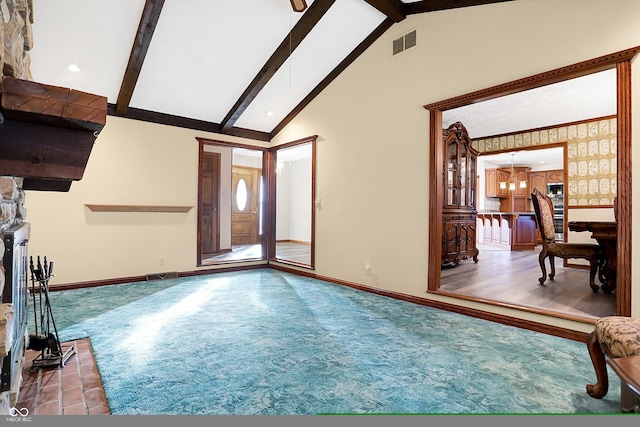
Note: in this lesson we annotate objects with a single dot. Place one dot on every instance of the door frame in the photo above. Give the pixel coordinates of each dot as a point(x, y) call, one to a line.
point(269, 167)
point(619, 60)
point(202, 142)
point(272, 179)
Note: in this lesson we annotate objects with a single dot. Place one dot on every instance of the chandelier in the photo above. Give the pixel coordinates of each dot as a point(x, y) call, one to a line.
point(512, 182)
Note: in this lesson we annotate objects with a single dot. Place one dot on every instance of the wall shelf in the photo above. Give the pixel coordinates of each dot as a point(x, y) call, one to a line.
point(138, 208)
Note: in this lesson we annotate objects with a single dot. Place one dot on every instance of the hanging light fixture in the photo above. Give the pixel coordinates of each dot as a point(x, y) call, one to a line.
point(513, 180)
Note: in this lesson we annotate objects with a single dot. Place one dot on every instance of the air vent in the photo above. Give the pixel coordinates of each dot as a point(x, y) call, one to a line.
point(398, 45)
point(162, 276)
point(405, 42)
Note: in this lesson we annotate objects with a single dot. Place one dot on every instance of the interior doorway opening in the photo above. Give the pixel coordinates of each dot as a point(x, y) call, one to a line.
point(620, 62)
point(238, 205)
point(258, 205)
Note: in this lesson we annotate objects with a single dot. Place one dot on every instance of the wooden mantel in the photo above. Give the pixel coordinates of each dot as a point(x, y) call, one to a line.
point(47, 132)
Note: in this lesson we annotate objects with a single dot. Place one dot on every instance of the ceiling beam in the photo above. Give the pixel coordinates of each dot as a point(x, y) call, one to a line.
point(434, 5)
point(147, 26)
point(186, 123)
point(394, 9)
point(311, 17)
point(371, 38)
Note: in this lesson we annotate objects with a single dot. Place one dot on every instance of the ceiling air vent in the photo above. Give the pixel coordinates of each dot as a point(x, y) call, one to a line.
point(405, 42)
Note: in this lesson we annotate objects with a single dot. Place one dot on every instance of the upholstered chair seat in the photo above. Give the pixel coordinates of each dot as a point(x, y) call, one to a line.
point(593, 253)
point(614, 337)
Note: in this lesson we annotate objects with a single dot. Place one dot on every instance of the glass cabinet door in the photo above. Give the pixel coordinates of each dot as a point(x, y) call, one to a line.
point(464, 178)
point(451, 196)
point(472, 182)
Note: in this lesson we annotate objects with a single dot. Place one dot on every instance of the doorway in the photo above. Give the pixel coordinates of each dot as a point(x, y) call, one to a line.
point(621, 62)
point(295, 203)
point(231, 202)
point(266, 202)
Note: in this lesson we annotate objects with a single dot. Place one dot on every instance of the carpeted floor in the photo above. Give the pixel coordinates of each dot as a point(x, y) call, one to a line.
point(267, 342)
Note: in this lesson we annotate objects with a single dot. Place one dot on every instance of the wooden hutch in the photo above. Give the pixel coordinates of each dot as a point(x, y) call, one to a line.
point(459, 204)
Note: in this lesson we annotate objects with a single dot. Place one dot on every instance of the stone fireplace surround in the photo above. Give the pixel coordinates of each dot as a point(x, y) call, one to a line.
point(39, 126)
point(15, 32)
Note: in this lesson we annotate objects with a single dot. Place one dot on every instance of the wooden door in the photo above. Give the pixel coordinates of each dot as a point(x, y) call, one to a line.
point(245, 206)
point(209, 204)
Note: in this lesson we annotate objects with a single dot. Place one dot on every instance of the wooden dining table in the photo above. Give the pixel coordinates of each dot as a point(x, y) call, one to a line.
point(606, 234)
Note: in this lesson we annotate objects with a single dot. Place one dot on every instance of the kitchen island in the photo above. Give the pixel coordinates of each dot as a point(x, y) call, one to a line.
point(515, 231)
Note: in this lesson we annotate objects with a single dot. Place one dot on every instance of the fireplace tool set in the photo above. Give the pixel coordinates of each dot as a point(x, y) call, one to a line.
point(45, 339)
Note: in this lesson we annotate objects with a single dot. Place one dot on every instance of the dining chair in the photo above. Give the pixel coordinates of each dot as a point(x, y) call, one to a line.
point(550, 248)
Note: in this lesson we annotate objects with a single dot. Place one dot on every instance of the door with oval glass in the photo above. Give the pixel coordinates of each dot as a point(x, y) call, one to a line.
point(245, 211)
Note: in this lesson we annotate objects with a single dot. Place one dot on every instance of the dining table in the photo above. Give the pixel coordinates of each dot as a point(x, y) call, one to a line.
point(606, 234)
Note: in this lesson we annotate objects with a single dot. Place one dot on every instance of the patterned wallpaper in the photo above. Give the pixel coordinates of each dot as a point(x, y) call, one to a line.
point(591, 151)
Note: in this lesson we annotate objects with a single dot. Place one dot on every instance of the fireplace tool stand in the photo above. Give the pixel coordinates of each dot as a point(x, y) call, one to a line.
point(45, 339)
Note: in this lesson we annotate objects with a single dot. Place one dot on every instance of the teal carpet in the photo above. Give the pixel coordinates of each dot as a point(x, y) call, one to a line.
point(267, 342)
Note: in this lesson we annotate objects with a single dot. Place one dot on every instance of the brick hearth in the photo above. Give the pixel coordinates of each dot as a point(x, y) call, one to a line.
point(75, 389)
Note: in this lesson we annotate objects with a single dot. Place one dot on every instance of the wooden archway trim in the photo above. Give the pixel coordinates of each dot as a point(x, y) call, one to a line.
point(580, 69)
point(622, 62)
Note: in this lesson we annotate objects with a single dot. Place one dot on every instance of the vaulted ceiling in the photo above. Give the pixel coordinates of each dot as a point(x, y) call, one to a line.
point(237, 67)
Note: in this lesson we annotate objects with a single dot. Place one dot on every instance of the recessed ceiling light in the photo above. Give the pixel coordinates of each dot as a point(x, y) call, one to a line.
point(74, 67)
point(269, 113)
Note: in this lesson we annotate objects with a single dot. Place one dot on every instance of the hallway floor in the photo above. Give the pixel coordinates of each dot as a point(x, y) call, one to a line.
point(74, 389)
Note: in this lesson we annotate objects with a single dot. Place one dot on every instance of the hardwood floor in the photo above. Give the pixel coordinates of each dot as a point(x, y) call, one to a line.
point(512, 277)
point(299, 253)
point(237, 253)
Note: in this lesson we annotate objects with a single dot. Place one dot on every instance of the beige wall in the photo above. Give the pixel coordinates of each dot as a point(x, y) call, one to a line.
point(375, 200)
point(372, 151)
point(131, 163)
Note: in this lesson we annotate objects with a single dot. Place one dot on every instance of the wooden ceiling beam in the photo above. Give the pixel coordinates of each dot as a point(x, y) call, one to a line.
point(371, 38)
point(394, 9)
point(311, 17)
point(187, 123)
point(147, 26)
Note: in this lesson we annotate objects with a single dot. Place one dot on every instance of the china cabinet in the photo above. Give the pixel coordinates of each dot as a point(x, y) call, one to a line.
point(459, 204)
